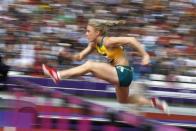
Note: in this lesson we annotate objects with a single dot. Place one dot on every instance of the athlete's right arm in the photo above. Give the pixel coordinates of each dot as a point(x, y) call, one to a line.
point(81, 55)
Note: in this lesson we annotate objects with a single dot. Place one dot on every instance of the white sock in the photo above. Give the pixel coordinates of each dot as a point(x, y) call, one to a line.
point(59, 76)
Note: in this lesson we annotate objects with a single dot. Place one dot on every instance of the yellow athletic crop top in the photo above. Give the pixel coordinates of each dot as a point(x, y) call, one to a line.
point(111, 54)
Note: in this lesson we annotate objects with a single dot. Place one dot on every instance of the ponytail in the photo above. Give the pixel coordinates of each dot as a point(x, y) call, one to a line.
point(104, 25)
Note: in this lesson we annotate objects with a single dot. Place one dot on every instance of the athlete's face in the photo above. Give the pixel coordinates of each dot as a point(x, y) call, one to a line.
point(91, 33)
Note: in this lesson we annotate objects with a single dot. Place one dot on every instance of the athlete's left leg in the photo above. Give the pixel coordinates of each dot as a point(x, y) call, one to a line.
point(101, 70)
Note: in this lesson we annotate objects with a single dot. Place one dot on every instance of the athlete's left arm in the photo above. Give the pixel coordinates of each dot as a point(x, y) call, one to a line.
point(131, 41)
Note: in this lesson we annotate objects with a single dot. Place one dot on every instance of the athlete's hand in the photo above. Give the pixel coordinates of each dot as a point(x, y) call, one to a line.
point(145, 59)
point(66, 54)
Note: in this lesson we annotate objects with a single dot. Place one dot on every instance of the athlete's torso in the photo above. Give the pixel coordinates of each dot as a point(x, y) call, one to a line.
point(115, 55)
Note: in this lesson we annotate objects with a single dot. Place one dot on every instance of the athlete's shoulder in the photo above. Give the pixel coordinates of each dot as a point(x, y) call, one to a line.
point(115, 41)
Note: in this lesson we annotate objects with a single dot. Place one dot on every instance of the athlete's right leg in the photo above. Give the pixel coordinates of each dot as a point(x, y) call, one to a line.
point(122, 94)
point(139, 100)
point(123, 97)
point(154, 102)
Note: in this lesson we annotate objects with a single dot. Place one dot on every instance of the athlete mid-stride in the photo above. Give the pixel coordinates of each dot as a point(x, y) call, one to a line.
point(117, 71)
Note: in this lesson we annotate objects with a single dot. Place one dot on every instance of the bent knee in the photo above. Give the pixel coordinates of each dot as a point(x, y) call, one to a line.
point(89, 64)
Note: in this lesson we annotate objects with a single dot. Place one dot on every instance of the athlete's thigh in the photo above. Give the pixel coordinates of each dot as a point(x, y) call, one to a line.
point(105, 71)
point(109, 73)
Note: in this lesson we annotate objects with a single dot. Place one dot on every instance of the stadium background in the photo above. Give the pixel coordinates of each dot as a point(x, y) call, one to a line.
point(33, 32)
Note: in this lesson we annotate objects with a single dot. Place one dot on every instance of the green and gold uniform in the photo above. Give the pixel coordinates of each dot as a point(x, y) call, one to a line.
point(124, 72)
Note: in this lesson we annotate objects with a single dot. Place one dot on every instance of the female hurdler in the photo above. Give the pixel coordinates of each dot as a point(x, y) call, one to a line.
point(117, 71)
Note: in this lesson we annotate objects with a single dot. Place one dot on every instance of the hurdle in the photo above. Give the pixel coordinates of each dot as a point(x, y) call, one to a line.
point(112, 120)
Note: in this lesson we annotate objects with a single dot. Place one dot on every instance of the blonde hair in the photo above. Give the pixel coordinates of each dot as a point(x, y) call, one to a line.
point(104, 25)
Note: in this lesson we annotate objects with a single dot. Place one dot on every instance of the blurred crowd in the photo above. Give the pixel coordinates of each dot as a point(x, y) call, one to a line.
point(33, 32)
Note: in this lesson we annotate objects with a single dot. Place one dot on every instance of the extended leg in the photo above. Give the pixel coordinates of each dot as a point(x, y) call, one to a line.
point(101, 70)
